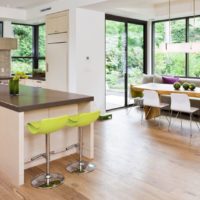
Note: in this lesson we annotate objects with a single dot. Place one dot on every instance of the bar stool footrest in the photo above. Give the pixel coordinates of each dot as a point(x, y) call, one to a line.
point(81, 167)
point(47, 181)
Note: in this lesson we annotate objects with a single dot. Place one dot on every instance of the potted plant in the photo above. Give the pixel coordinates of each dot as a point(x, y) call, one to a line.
point(38, 73)
point(177, 85)
point(186, 86)
point(14, 83)
point(192, 86)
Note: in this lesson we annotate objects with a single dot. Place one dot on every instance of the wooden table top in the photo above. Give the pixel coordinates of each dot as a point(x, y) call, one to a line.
point(166, 89)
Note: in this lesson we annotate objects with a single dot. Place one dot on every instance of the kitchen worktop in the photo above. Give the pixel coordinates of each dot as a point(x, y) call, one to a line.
point(31, 98)
point(5, 78)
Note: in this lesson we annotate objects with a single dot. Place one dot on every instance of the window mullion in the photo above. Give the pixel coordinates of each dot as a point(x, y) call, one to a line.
point(187, 54)
point(35, 46)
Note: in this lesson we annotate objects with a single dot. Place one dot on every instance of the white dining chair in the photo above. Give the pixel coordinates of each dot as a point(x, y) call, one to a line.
point(152, 100)
point(180, 103)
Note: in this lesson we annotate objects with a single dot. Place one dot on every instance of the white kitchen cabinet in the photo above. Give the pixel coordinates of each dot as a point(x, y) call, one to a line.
point(57, 23)
point(57, 51)
point(56, 73)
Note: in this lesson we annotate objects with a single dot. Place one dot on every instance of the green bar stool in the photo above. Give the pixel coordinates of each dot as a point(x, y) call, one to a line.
point(47, 126)
point(80, 121)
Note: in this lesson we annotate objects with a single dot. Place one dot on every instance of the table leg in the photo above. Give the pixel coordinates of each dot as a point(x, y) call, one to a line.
point(151, 112)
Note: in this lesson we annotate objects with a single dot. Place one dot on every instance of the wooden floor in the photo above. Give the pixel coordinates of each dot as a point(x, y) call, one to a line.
point(134, 162)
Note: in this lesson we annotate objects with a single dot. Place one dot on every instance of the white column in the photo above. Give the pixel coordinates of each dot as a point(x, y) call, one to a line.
point(7, 29)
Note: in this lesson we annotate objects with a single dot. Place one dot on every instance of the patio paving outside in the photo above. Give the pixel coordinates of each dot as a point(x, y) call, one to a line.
point(114, 99)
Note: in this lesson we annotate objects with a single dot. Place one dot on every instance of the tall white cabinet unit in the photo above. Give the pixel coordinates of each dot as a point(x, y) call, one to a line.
point(57, 51)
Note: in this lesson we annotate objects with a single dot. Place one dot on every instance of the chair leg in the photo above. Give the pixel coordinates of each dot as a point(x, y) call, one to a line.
point(159, 118)
point(48, 160)
point(47, 179)
point(149, 112)
point(81, 166)
point(142, 113)
point(80, 149)
point(170, 120)
point(198, 125)
point(190, 126)
point(181, 121)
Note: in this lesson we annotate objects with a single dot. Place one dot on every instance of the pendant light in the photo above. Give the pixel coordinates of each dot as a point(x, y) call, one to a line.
point(185, 47)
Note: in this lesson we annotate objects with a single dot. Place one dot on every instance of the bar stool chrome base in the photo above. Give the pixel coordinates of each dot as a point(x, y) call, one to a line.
point(47, 181)
point(81, 167)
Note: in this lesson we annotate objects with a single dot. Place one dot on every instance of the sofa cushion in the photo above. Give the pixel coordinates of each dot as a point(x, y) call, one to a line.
point(157, 79)
point(190, 80)
point(147, 78)
point(170, 80)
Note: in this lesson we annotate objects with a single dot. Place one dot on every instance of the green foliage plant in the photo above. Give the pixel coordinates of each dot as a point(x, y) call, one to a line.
point(192, 86)
point(186, 86)
point(19, 75)
point(177, 85)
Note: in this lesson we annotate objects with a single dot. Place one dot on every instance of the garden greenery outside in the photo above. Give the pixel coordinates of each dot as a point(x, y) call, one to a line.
point(164, 63)
point(175, 63)
point(115, 54)
point(22, 57)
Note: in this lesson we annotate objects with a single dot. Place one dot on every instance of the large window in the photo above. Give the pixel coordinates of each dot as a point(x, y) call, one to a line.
point(177, 31)
point(194, 59)
point(30, 54)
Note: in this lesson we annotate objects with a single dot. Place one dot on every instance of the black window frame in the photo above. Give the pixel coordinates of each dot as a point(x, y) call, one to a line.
point(187, 19)
point(35, 46)
point(1, 22)
point(126, 21)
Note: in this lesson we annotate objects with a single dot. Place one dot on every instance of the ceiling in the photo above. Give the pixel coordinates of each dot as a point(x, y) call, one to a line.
point(147, 9)
point(138, 9)
point(24, 4)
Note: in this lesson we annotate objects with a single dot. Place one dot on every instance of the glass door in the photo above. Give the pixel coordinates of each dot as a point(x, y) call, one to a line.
point(125, 59)
point(135, 56)
point(115, 64)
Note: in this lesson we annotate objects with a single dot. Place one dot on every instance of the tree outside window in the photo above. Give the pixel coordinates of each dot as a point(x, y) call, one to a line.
point(30, 53)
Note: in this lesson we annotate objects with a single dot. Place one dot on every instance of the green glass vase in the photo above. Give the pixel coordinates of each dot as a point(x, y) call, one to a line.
point(14, 87)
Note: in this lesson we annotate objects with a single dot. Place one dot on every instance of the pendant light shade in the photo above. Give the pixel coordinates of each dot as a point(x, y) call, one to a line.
point(185, 47)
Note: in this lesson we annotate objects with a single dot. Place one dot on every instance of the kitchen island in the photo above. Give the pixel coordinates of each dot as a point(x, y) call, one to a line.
point(17, 146)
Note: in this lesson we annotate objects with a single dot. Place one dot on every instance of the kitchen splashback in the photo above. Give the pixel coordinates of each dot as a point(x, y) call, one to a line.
point(5, 62)
point(6, 44)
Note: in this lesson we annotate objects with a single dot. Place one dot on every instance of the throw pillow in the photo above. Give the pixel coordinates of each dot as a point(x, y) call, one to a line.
point(170, 80)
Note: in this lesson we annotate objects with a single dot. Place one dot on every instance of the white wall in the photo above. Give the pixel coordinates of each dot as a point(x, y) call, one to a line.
point(12, 13)
point(86, 39)
point(72, 70)
point(90, 42)
point(7, 29)
point(33, 14)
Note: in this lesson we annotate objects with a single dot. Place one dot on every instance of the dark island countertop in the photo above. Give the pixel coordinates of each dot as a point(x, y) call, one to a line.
point(2, 78)
point(32, 98)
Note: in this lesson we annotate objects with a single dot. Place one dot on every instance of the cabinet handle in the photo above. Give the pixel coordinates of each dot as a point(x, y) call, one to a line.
point(47, 67)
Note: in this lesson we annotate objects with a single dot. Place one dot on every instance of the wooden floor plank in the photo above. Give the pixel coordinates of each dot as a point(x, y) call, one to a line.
point(134, 162)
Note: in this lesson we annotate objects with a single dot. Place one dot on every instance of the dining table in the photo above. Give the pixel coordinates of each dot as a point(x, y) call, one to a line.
point(163, 89)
